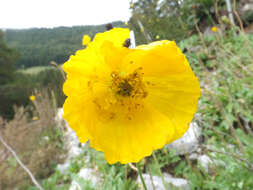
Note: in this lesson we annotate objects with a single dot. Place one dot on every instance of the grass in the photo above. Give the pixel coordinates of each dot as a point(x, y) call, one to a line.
point(37, 142)
point(35, 70)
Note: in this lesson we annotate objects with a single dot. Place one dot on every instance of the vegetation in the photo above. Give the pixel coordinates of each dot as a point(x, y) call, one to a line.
point(221, 60)
point(17, 92)
point(225, 107)
point(39, 46)
point(7, 60)
point(38, 141)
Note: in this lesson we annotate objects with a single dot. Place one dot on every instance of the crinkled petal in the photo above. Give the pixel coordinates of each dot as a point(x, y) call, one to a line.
point(129, 140)
point(117, 36)
point(175, 96)
point(127, 129)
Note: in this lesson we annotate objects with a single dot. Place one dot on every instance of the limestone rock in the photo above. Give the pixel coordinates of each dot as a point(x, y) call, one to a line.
point(205, 161)
point(87, 174)
point(188, 143)
point(178, 183)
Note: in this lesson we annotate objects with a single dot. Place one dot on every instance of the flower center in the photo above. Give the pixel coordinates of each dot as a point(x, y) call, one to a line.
point(125, 96)
point(125, 88)
point(129, 86)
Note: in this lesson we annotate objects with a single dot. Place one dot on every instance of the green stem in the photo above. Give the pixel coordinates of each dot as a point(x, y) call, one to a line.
point(142, 179)
point(159, 170)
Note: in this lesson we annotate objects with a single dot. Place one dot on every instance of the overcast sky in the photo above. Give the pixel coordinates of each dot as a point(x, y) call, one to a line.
point(52, 13)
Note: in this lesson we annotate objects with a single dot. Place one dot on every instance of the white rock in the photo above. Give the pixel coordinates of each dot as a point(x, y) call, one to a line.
point(87, 174)
point(205, 161)
point(193, 156)
point(75, 186)
point(46, 138)
point(178, 183)
point(247, 7)
point(71, 141)
point(188, 143)
point(63, 167)
point(59, 114)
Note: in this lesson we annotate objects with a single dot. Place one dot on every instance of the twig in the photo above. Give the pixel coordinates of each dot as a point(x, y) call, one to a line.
point(60, 68)
point(230, 13)
point(141, 176)
point(233, 155)
point(199, 32)
point(151, 178)
point(146, 35)
point(237, 16)
point(20, 163)
point(133, 167)
point(242, 29)
point(160, 171)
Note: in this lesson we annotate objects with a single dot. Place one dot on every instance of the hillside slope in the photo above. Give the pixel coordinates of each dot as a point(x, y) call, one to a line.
point(39, 46)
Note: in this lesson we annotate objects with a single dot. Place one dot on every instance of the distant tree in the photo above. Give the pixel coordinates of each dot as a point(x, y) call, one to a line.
point(160, 20)
point(171, 19)
point(8, 57)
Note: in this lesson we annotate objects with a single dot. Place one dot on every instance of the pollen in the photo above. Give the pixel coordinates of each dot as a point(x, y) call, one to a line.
point(125, 88)
point(131, 86)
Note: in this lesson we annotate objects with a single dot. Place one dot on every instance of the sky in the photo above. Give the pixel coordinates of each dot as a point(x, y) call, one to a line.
point(52, 13)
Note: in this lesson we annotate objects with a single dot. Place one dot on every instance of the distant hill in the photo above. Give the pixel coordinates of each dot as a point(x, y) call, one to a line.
point(39, 46)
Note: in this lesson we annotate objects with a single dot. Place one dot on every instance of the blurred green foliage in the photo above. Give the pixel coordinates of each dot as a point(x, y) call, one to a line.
point(171, 19)
point(23, 85)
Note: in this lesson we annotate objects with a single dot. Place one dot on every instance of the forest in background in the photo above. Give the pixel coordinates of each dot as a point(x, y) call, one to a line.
point(39, 46)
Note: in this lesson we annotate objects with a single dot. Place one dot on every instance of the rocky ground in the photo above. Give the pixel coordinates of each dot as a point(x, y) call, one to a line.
point(189, 145)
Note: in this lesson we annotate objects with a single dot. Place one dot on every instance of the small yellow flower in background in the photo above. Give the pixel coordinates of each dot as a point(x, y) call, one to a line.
point(32, 97)
point(86, 40)
point(131, 5)
point(129, 102)
point(35, 118)
point(215, 29)
point(126, 23)
point(157, 37)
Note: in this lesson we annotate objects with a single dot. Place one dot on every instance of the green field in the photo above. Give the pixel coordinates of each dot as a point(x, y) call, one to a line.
point(35, 70)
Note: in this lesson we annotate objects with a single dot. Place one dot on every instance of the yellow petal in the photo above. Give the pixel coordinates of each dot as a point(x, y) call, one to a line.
point(176, 97)
point(162, 58)
point(159, 103)
point(129, 140)
point(86, 40)
point(32, 97)
point(76, 117)
point(214, 29)
point(116, 35)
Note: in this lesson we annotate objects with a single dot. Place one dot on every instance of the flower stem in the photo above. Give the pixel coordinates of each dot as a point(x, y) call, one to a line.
point(142, 179)
point(159, 169)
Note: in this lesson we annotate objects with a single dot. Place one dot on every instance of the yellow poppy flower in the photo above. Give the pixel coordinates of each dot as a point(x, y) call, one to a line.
point(214, 29)
point(32, 97)
point(35, 118)
point(129, 102)
point(86, 40)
